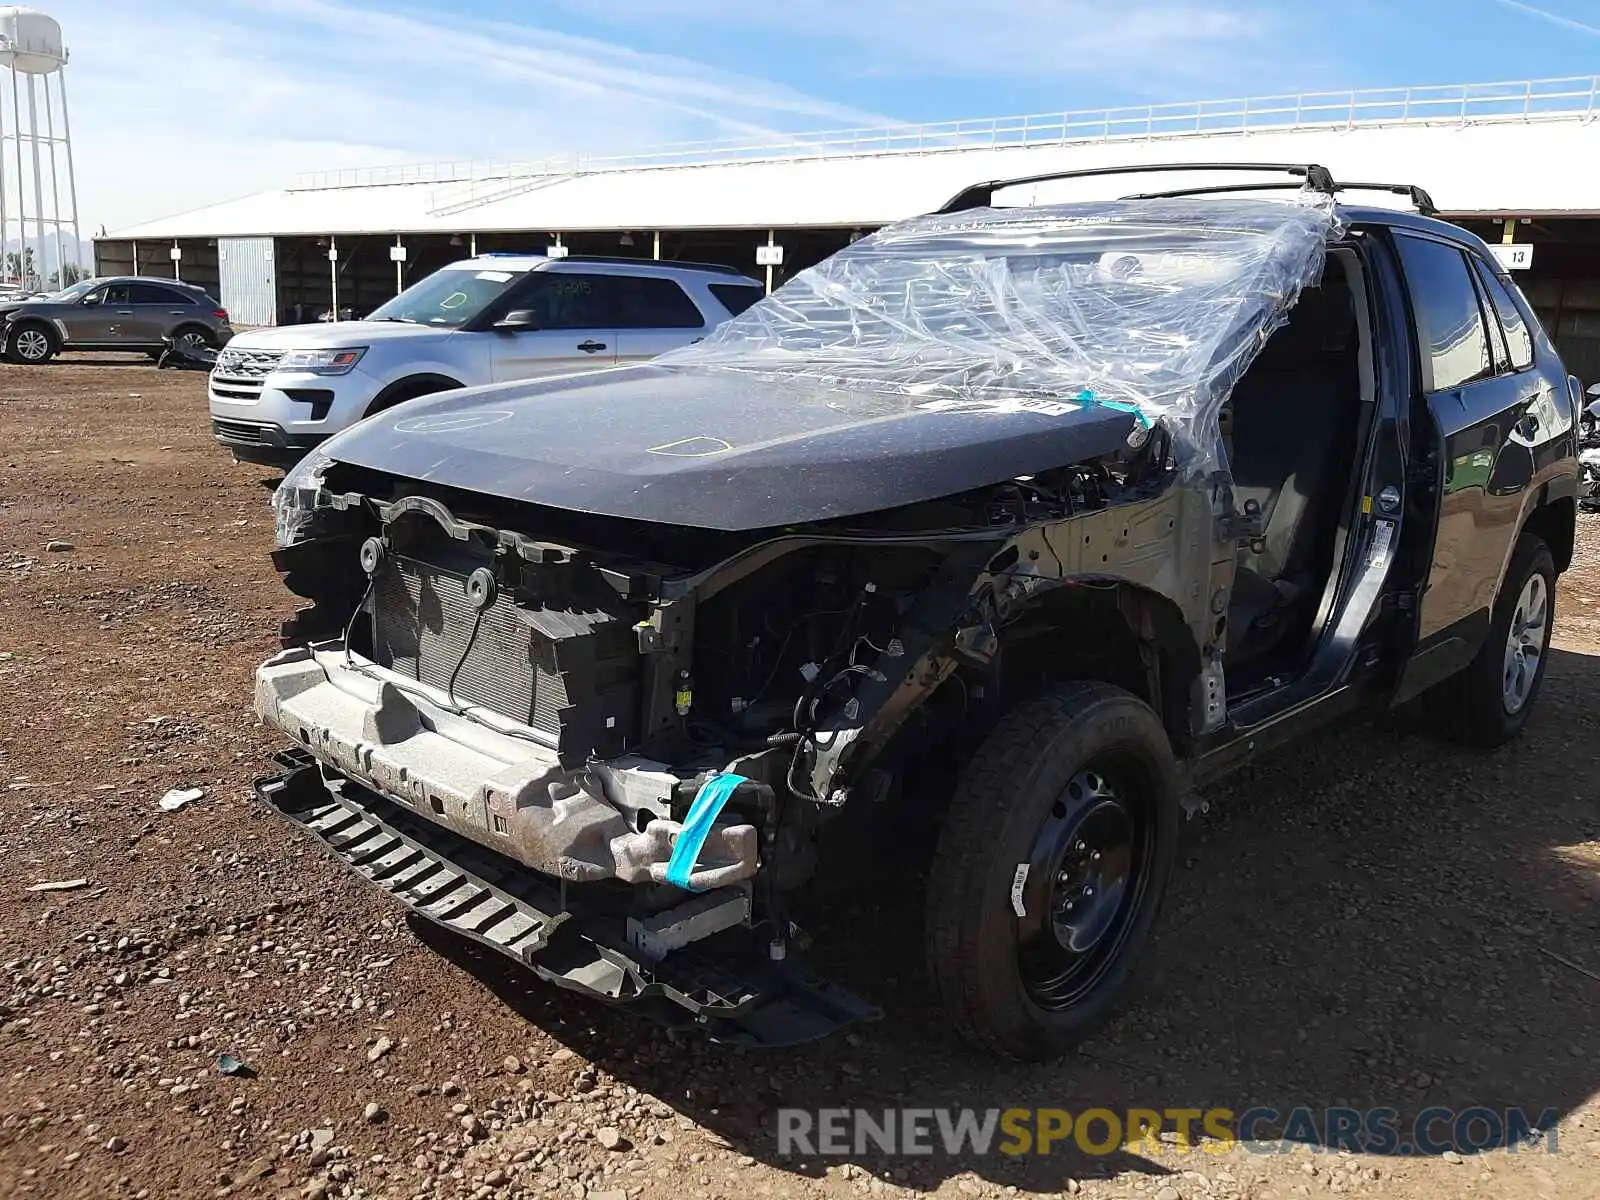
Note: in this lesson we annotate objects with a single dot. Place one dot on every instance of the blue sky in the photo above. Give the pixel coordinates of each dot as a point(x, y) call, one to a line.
point(177, 104)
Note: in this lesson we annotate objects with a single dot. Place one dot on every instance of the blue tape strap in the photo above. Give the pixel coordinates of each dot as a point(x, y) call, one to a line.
point(1088, 397)
point(708, 802)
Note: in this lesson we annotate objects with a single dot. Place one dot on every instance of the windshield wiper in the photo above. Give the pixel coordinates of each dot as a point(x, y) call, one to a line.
point(399, 320)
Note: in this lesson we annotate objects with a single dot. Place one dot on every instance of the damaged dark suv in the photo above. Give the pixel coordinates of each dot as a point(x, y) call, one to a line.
point(1013, 525)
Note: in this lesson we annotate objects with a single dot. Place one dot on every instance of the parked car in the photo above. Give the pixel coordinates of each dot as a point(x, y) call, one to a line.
point(125, 312)
point(276, 393)
point(1015, 525)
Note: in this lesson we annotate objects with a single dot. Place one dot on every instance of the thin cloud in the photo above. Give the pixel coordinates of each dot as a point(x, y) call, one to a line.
point(1553, 18)
point(176, 107)
point(549, 61)
point(1132, 39)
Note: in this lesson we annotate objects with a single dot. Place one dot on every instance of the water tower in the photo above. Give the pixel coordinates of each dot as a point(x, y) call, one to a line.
point(33, 55)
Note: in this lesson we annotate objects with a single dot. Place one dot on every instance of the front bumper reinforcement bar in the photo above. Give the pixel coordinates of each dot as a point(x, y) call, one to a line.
point(467, 888)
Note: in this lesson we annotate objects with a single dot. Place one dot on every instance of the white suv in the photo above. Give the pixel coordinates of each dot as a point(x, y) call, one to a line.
point(276, 393)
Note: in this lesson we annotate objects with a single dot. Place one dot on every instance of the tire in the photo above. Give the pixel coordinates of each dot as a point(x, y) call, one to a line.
point(1479, 707)
point(31, 343)
point(1050, 779)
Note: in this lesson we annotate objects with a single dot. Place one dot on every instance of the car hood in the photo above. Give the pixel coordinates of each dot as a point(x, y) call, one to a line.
point(721, 450)
point(329, 335)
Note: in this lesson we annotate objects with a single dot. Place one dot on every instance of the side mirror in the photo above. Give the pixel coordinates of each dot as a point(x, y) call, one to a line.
point(518, 318)
point(94, 299)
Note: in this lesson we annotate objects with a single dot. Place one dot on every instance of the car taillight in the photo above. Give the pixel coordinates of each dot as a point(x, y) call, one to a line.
point(220, 314)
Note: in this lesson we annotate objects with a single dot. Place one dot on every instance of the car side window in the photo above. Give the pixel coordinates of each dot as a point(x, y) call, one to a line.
point(735, 297)
point(655, 303)
point(115, 293)
point(1452, 342)
point(150, 293)
point(1519, 341)
point(570, 300)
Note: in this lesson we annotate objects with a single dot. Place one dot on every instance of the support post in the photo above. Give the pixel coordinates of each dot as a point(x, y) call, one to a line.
point(5, 264)
point(55, 188)
point(399, 268)
point(656, 245)
point(72, 178)
point(22, 187)
point(38, 184)
point(333, 272)
point(772, 240)
point(472, 244)
point(177, 260)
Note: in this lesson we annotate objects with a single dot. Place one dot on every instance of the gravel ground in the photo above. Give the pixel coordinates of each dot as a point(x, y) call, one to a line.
point(1374, 919)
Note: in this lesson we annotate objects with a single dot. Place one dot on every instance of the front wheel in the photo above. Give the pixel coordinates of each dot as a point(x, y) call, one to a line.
point(31, 344)
point(1051, 868)
point(1487, 704)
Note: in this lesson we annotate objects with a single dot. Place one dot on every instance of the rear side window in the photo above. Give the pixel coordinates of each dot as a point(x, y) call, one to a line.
point(1452, 342)
point(654, 303)
point(735, 297)
point(150, 293)
point(1518, 340)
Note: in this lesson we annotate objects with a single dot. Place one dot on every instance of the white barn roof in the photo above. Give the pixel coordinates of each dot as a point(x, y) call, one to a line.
point(1478, 149)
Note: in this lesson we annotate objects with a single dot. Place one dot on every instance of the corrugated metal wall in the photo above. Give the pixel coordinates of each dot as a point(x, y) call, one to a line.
point(249, 280)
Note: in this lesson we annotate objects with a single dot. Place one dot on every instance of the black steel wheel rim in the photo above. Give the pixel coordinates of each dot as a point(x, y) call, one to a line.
point(1087, 880)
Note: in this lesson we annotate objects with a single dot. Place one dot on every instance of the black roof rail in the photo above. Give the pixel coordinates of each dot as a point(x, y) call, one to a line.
point(980, 195)
point(720, 268)
point(1423, 202)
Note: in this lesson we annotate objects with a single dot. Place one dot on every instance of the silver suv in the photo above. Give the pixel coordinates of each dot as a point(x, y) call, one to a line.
point(276, 393)
point(125, 312)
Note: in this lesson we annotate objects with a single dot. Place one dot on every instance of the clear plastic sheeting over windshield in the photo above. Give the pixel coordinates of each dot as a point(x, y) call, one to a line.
point(448, 298)
point(1151, 306)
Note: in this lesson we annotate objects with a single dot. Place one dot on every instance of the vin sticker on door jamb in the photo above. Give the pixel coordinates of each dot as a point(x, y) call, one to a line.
point(1381, 537)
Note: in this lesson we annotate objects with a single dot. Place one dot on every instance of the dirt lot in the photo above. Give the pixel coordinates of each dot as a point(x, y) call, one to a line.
point(1376, 920)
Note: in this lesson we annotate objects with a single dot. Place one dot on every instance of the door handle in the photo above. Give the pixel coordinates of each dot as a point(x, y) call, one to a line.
point(124, 312)
point(591, 347)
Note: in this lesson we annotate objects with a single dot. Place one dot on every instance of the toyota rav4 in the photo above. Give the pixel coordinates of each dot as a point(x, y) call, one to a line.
point(1016, 524)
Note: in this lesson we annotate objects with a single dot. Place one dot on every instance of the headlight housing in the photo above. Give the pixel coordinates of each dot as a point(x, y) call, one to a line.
point(296, 498)
point(322, 362)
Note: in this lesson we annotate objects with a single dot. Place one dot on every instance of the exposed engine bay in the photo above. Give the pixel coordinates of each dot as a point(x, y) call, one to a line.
point(701, 655)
